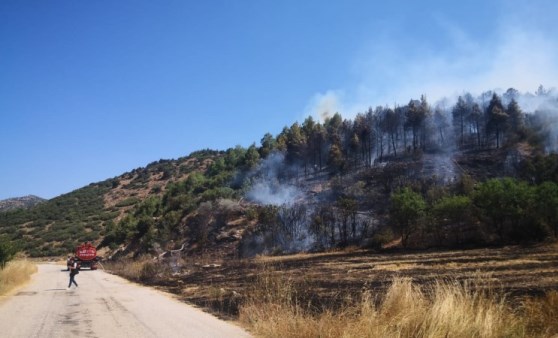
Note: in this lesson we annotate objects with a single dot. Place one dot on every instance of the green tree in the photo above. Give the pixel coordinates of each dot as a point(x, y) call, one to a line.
point(268, 145)
point(505, 202)
point(451, 214)
point(282, 138)
point(7, 251)
point(407, 209)
point(251, 157)
point(309, 131)
point(547, 205)
point(234, 157)
point(296, 145)
point(333, 125)
point(320, 138)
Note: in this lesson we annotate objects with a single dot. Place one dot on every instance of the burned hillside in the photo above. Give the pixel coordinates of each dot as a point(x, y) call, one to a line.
point(405, 175)
point(319, 185)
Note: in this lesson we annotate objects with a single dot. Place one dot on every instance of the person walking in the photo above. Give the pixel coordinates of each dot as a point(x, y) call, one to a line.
point(74, 270)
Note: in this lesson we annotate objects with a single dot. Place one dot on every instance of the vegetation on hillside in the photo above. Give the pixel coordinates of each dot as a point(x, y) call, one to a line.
point(57, 226)
point(415, 172)
point(374, 156)
point(19, 202)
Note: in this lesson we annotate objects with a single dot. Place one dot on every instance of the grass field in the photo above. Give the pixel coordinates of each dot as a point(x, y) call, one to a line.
point(494, 292)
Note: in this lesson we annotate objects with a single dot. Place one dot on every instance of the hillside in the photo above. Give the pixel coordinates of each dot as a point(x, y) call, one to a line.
point(56, 226)
point(20, 202)
point(415, 176)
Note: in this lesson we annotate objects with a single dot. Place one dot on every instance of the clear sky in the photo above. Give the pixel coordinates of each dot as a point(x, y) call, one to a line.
point(92, 89)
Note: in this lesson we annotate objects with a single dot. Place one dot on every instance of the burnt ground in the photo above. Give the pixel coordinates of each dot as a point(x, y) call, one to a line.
point(325, 280)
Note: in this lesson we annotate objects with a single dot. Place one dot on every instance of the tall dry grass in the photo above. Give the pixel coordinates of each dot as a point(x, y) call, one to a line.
point(16, 273)
point(442, 309)
point(142, 269)
point(541, 315)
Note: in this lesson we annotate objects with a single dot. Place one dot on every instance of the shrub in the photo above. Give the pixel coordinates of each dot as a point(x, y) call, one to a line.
point(381, 238)
point(127, 202)
point(7, 251)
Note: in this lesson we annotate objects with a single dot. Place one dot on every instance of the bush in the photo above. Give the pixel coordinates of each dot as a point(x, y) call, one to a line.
point(127, 202)
point(148, 271)
point(381, 238)
point(7, 251)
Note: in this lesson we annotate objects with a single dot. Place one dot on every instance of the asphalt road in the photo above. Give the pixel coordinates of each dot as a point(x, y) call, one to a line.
point(103, 305)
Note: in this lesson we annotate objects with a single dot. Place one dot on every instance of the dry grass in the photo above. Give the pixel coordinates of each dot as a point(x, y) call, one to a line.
point(441, 309)
point(541, 315)
point(16, 273)
point(142, 270)
point(508, 291)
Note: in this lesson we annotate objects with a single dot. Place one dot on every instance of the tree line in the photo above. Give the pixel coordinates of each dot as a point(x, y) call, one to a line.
point(500, 210)
point(488, 121)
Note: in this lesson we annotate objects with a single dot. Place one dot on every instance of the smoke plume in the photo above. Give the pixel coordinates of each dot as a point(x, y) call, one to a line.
point(268, 183)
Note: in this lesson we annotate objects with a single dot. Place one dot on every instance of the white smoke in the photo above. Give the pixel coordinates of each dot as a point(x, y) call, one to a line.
point(268, 183)
point(272, 192)
point(325, 105)
point(521, 52)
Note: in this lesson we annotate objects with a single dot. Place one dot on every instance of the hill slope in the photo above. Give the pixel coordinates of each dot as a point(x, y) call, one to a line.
point(56, 226)
point(20, 202)
point(391, 175)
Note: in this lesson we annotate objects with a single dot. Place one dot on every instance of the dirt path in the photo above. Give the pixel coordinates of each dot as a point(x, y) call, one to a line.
point(102, 306)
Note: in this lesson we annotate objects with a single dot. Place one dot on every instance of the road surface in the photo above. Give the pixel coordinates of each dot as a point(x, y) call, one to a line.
point(103, 305)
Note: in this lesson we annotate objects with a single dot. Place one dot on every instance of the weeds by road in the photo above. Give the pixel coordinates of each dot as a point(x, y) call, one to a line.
point(440, 309)
point(15, 273)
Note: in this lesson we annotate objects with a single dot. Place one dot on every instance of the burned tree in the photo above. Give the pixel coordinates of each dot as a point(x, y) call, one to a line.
point(497, 118)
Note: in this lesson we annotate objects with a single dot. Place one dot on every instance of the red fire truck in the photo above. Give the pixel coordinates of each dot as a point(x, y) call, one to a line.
point(86, 256)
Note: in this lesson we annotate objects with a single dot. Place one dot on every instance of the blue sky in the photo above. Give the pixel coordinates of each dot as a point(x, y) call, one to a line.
point(92, 89)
